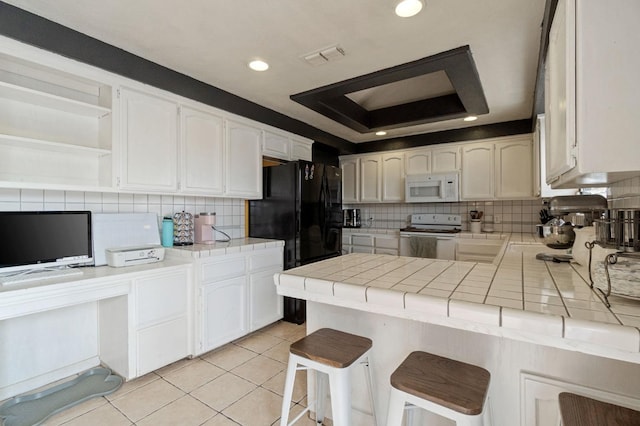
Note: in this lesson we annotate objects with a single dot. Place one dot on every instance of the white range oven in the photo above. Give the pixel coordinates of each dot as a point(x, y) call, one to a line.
point(440, 229)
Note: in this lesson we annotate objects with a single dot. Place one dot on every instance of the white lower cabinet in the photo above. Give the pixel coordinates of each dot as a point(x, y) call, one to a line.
point(162, 320)
point(150, 324)
point(372, 243)
point(237, 295)
point(224, 315)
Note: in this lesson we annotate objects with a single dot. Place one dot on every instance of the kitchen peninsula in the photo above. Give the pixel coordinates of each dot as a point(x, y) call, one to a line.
point(536, 326)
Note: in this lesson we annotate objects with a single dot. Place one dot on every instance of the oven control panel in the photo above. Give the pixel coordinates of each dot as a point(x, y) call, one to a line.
point(436, 219)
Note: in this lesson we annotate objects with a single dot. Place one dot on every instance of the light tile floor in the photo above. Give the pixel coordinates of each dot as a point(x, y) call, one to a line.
point(238, 384)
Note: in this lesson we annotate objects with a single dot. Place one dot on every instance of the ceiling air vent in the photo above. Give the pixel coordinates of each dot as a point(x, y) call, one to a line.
point(322, 56)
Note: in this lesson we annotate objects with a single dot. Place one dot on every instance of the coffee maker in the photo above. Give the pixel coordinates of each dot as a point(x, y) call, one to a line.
point(351, 218)
point(205, 234)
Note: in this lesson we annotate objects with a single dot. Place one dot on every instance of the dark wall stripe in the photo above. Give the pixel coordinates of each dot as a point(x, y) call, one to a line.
point(549, 12)
point(459, 135)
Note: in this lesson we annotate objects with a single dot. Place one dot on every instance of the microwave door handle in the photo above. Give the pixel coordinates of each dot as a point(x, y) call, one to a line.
point(442, 189)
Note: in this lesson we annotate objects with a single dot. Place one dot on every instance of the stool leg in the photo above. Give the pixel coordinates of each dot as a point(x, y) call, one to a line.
point(340, 388)
point(321, 395)
point(288, 390)
point(396, 408)
point(369, 378)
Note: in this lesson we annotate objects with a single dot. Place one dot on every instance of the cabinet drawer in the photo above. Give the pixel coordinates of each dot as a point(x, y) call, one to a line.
point(228, 267)
point(362, 240)
point(263, 259)
point(387, 243)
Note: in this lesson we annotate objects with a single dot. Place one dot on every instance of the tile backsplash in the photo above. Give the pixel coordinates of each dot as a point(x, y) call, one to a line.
point(625, 194)
point(230, 215)
point(508, 216)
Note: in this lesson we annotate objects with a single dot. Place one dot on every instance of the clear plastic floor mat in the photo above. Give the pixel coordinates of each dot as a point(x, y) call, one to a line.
point(33, 409)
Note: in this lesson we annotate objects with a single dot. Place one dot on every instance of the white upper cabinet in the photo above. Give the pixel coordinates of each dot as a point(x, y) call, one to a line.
point(591, 109)
point(514, 168)
point(445, 159)
point(301, 149)
point(276, 145)
point(243, 168)
point(418, 162)
point(284, 147)
point(149, 142)
point(541, 187)
point(392, 177)
point(370, 179)
point(201, 152)
point(476, 181)
point(350, 168)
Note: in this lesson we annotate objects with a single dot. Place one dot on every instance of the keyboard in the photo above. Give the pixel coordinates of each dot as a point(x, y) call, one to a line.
point(20, 278)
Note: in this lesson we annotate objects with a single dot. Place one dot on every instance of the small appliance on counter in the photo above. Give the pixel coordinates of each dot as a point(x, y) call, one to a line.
point(351, 218)
point(118, 257)
point(183, 229)
point(204, 233)
point(122, 239)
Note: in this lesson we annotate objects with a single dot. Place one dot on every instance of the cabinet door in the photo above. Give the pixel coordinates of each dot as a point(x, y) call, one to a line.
point(149, 141)
point(201, 141)
point(276, 146)
point(418, 162)
point(445, 159)
point(393, 177)
point(370, 179)
point(243, 171)
point(350, 180)
point(514, 169)
point(162, 320)
point(224, 312)
point(560, 92)
point(265, 305)
point(477, 172)
point(301, 150)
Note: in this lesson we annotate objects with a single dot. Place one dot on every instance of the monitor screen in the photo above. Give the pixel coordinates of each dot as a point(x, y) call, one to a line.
point(43, 239)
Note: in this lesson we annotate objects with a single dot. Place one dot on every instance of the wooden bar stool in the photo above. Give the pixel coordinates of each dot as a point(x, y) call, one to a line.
point(577, 410)
point(332, 354)
point(449, 388)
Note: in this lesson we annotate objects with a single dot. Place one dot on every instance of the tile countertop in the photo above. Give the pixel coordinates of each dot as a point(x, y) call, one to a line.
point(235, 245)
point(517, 296)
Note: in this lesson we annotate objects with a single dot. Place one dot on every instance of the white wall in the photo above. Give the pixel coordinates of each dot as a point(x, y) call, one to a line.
point(229, 212)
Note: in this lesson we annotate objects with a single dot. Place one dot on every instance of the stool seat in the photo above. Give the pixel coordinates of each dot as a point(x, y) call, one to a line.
point(453, 384)
point(332, 347)
point(577, 410)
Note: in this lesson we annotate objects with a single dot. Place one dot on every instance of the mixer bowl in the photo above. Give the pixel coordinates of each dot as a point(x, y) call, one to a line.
point(558, 234)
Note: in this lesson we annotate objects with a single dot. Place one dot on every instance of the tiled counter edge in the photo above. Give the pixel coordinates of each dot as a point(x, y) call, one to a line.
point(608, 340)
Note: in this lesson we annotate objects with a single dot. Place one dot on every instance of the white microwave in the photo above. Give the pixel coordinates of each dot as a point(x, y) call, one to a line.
point(432, 188)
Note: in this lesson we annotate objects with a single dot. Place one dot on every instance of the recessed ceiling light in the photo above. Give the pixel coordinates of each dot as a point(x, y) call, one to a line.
point(408, 8)
point(471, 118)
point(258, 65)
point(381, 133)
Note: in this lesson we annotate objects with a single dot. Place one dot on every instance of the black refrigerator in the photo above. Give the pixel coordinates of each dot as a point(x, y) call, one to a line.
point(301, 205)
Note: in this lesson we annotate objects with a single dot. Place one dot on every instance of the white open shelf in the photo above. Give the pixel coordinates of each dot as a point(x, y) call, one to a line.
point(18, 141)
point(47, 100)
